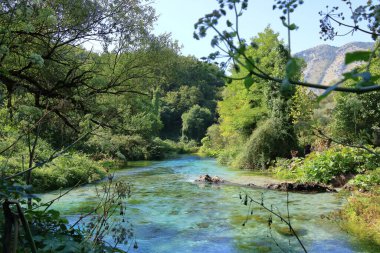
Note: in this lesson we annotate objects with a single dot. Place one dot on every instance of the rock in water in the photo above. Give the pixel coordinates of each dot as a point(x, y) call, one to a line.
point(208, 179)
point(217, 179)
point(301, 187)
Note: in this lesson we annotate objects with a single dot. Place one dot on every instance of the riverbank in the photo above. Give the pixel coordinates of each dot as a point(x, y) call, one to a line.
point(268, 184)
point(352, 170)
point(360, 216)
point(170, 213)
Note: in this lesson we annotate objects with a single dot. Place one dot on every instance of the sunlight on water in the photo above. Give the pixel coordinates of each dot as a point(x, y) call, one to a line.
point(171, 213)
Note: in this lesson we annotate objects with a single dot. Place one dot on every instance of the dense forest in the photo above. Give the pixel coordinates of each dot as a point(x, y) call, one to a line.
point(63, 99)
point(123, 102)
point(84, 88)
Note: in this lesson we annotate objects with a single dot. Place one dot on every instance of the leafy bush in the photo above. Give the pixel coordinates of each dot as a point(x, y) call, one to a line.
point(136, 147)
point(368, 181)
point(274, 138)
point(228, 156)
point(322, 167)
point(66, 171)
point(185, 147)
point(213, 143)
point(126, 147)
point(357, 117)
point(160, 149)
point(288, 168)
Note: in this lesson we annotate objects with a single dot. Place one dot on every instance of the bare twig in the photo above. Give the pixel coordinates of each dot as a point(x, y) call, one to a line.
point(278, 215)
point(239, 56)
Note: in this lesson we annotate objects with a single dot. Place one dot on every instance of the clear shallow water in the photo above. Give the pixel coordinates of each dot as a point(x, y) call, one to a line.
point(170, 213)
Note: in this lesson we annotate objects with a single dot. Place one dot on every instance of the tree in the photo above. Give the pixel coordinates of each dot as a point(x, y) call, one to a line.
point(304, 102)
point(257, 109)
point(53, 90)
point(42, 55)
point(271, 139)
point(213, 143)
point(195, 123)
point(356, 118)
point(187, 82)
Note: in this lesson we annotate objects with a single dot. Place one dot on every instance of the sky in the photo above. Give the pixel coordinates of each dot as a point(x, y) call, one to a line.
point(179, 16)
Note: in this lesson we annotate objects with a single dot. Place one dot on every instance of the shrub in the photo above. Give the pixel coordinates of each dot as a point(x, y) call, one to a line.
point(322, 167)
point(160, 149)
point(289, 168)
point(213, 143)
point(228, 156)
point(64, 171)
point(185, 147)
point(274, 138)
point(368, 181)
point(136, 147)
point(67, 171)
point(129, 147)
point(125, 147)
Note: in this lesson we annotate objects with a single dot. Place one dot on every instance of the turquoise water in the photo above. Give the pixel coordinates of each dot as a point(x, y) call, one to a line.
point(171, 213)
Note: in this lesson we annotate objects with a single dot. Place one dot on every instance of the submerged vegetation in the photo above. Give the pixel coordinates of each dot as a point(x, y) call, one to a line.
point(360, 216)
point(69, 112)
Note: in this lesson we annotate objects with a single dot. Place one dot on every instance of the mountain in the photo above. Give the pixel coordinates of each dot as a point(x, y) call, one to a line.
point(325, 64)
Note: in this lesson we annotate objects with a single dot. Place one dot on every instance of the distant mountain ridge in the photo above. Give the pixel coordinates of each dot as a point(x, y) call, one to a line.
point(325, 63)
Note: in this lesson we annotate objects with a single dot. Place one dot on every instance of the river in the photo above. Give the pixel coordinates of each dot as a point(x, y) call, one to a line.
point(171, 213)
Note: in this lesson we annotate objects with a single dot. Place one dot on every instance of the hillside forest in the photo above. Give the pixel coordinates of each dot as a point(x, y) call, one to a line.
point(70, 113)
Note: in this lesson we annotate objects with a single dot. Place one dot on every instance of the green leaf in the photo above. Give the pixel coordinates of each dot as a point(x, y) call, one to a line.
point(36, 59)
point(357, 56)
point(293, 27)
point(362, 79)
point(291, 67)
point(248, 81)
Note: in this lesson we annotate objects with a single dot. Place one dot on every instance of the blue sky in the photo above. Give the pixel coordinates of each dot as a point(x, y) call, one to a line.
point(178, 17)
